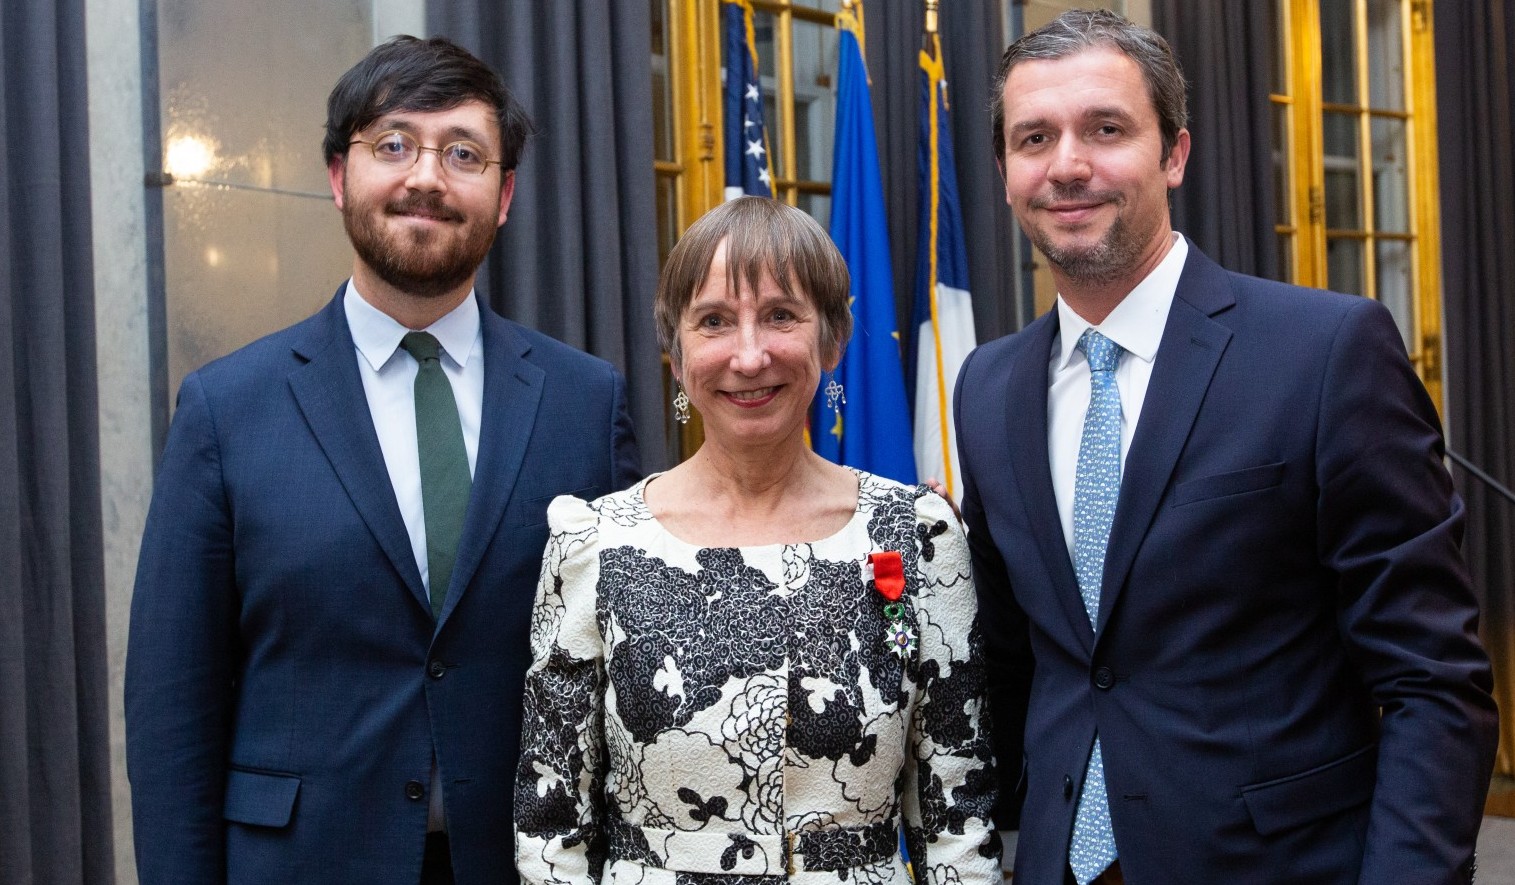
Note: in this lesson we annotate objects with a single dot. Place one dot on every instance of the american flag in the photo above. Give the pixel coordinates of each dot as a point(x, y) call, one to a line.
point(747, 170)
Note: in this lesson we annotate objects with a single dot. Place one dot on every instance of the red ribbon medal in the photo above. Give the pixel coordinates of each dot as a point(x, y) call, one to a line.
point(888, 574)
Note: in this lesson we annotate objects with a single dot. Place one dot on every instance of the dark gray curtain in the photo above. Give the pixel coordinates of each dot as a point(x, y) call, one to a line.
point(1226, 204)
point(55, 822)
point(1475, 95)
point(972, 43)
point(578, 256)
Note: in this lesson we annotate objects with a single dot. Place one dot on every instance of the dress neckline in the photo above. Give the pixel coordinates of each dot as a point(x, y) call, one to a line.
point(639, 502)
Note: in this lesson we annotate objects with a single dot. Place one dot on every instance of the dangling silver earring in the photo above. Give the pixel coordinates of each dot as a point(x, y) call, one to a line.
point(681, 406)
point(834, 395)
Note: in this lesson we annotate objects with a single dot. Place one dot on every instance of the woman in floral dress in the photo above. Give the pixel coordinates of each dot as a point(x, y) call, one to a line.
point(759, 663)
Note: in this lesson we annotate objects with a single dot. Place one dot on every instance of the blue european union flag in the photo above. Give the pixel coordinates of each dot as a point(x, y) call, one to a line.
point(742, 124)
point(872, 429)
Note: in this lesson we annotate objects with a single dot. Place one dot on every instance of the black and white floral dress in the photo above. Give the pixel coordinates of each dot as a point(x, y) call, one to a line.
point(715, 715)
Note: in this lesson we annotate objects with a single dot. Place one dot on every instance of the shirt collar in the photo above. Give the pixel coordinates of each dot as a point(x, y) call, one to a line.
point(1137, 322)
point(377, 334)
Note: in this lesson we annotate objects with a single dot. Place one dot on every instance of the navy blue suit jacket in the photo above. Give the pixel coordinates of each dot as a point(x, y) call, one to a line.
point(286, 684)
point(1286, 679)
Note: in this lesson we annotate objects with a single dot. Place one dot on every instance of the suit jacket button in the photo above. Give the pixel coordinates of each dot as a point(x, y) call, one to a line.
point(1103, 678)
point(437, 669)
point(1067, 787)
point(414, 791)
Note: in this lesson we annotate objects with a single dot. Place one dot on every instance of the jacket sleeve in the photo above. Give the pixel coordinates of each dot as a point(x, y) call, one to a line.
point(625, 458)
point(182, 657)
point(559, 833)
point(1390, 527)
point(1003, 624)
point(949, 790)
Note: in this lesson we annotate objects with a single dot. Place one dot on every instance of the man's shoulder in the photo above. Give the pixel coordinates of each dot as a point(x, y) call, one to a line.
point(1291, 303)
point(263, 357)
point(542, 349)
point(1001, 351)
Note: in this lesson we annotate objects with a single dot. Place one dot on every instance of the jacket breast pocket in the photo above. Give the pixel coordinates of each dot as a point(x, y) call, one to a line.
point(1288, 802)
point(260, 798)
point(1235, 482)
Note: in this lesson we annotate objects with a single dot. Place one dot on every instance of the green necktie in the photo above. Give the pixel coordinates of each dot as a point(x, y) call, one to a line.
point(445, 481)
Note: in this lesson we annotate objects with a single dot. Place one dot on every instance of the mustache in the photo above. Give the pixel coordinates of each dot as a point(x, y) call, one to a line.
point(423, 204)
point(1078, 192)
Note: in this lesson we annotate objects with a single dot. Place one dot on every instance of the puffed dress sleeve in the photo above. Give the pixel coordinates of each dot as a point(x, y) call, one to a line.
point(559, 834)
point(949, 788)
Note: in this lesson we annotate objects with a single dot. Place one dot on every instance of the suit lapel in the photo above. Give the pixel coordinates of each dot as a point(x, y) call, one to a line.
point(512, 392)
point(1191, 348)
point(1027, 435)
point(330, 395)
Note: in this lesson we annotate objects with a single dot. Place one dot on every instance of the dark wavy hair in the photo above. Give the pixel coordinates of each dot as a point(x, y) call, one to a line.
point(411, 74)
point(1079, 29)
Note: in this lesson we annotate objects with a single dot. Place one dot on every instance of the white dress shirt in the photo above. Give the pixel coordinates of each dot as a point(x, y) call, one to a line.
point(1136, 324)
point(389, 379)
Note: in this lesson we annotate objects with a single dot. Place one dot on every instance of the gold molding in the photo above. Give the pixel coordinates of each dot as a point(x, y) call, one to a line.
point(1305, 154)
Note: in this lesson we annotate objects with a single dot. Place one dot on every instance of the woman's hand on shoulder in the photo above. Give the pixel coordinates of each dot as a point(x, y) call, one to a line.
point(935, 485)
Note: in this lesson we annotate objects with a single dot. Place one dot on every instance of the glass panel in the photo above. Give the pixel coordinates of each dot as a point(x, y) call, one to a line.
point(823, 5)
point(1344, 270)
point(250, 110)
point(662, 91)
point(1338, 52)
point(242, 263)
point(765, 30)
point(244, 260)
point(818, 206)
point(1283, 207)
point(1386, 71)
point(764, 36)
point(1395, 288)
point(668, 215)
point(1391, 177)
point(1343, 181)
point(815, 60)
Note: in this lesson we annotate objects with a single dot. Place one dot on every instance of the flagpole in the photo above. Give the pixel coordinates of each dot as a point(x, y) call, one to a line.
point(850, 18)
point(931, 63)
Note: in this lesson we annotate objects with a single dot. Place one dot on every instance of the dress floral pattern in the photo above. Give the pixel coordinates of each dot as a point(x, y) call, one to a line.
point(713, 716)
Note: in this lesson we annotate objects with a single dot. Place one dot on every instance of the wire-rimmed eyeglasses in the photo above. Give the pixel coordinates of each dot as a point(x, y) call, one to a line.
point(401, 150)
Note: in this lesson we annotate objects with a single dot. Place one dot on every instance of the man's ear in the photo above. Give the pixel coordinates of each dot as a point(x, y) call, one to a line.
point(507, 192)
point(1177, 158)
point(336, 173)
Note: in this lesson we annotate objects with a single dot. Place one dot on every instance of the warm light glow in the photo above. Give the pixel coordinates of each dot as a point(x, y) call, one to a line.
point(213, 256)
point(188, 156)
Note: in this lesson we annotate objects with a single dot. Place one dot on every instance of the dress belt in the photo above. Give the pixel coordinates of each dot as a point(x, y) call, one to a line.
point(753, 854)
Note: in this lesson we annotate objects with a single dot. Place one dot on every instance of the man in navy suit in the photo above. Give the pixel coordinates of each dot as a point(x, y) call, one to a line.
point(306, 699)
point(1244, 648)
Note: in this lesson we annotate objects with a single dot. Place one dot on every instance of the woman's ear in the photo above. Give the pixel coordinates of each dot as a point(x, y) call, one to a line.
point(832, 357)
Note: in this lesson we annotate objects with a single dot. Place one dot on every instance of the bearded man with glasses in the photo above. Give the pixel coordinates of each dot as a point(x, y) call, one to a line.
point(329, 629)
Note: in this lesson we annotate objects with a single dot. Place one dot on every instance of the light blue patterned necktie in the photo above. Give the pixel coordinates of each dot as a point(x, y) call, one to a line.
point(1096, 486)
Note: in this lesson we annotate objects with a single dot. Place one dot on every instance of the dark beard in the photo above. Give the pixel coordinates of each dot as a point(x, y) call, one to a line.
point(1104, 262)
point(415, 262)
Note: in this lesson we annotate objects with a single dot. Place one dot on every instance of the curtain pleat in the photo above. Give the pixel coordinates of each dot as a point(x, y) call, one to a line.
point(55, 824)
point(1226, 203)
point(1475, 95)
point(577, 258)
